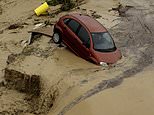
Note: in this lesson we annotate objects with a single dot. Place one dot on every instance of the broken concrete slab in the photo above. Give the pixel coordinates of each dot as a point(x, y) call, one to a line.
point(48, 31)
point(17, 76)
point(22, 81)
point(36, 33)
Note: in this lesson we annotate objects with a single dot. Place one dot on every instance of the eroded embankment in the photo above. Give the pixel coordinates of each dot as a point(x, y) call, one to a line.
point(40, 100)
point(17, 77)
point(22, 82)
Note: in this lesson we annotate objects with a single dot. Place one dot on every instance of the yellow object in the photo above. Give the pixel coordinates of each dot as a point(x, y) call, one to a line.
point(41, 9)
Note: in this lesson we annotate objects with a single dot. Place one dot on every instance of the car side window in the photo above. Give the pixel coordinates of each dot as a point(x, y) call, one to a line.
point(66, 20)
point(73, 25)
point(83, 35)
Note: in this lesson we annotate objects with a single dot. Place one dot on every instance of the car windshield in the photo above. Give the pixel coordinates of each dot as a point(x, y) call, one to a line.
point(103, 41)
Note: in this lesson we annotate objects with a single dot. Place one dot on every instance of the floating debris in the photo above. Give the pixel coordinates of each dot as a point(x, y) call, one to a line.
point(15, 26)
point(94, 14)
point(1, 10)
point(1, 31)
point(121, 9)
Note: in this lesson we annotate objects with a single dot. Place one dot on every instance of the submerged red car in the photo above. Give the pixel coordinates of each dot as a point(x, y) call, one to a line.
point(87, 38)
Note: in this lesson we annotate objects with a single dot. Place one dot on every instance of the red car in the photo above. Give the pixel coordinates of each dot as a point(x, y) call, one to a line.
point(87, 38)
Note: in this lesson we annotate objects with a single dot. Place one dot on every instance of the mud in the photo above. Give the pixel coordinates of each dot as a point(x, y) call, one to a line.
point(1, 10)
point(14, 103)
point(50, 76)
point(138, 31)
point(100, 87)
point(15, 26)
point(133, 97)
point(38, 100)
point(11, 58)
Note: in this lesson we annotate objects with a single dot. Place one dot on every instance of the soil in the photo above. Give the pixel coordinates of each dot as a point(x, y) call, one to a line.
point(43, 78)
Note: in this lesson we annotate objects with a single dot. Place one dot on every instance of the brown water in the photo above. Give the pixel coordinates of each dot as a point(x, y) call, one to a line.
point(134, 97)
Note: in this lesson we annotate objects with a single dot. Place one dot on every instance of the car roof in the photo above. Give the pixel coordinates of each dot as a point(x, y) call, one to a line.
point(91, 24)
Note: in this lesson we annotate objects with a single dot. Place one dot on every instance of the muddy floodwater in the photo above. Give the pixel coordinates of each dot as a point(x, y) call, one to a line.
point(134, 99)
point(45, 79)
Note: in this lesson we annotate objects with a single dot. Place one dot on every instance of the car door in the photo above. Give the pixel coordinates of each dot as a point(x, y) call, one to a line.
point(83, 42)
point(70, 29)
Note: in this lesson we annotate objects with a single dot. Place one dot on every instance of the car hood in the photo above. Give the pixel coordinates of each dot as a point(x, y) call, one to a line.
point(108, 57)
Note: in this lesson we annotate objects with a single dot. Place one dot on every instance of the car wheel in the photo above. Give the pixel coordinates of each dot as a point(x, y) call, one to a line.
point(57, 38)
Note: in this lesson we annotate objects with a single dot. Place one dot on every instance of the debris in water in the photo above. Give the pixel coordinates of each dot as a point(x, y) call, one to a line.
point(39, 25)
point(68, 6)
point(53, 2)
point(1, 10)
point(11, 58)
point(2, 84)
point(1, 31)
point(121, 9)
point(15, 26)
point(94, 14)
point(42, 9)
